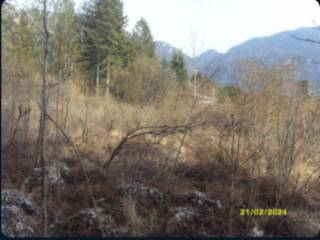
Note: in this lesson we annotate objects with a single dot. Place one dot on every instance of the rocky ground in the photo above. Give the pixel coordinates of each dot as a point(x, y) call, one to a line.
point(150, 198)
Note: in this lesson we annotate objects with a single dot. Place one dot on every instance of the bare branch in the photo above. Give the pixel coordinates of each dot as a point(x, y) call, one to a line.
point(156, 131)
point(78, 155)
point(306, 39)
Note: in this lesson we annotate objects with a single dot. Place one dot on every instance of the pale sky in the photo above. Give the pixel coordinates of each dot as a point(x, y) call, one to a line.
point(218, 24)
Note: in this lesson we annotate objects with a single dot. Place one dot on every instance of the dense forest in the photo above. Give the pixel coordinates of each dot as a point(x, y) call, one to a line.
point(101, 137)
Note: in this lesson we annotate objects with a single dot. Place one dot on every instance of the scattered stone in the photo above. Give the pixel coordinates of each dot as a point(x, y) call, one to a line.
point(201, 199)
point(256, 231)
point(56, 171)
point(19, 199)
point(182, 218)
point(87, 222)
point(141, 192)
point(17, 212)
point(182, 213)
point(13, 223)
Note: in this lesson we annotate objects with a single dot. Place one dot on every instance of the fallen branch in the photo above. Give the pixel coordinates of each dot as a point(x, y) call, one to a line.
point(153, 130)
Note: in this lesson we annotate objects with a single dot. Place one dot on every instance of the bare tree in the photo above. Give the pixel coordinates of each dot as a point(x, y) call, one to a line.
point(98, 76)
point(43, 126)
point(108, 78)
point(194, 64)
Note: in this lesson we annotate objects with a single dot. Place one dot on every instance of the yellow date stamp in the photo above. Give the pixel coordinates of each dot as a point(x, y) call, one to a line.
point(263, 212)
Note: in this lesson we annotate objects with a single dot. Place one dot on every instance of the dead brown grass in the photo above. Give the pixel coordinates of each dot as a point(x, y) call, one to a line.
point(175, 165)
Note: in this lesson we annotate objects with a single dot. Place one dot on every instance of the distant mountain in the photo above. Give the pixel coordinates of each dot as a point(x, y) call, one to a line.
point(208, 61)
point(166, 51)
point(203, 61)
point(272, 50)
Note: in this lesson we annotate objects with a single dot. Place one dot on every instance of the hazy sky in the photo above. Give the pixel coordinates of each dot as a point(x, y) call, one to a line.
point(219, 24)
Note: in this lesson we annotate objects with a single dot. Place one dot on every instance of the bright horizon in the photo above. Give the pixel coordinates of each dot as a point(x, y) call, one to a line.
point(217, 24)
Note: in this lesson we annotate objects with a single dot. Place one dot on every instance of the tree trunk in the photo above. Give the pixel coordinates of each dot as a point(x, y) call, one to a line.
point(108, 79)
point(98, 76)
point(12, 79)
point(195, 83)
point(26, 119)
point(56, 145)
point(42, 127)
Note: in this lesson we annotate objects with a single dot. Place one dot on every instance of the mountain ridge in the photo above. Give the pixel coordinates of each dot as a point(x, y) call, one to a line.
point(270, 50)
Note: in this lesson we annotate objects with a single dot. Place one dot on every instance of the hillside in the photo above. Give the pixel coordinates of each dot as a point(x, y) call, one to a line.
point(271, 50)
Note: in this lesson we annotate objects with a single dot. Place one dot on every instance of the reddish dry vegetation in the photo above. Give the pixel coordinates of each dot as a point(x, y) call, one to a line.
point(180, 166)
point(147, 164)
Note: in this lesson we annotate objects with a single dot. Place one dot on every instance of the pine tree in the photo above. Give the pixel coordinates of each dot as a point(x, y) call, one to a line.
point(104, 43)
point(64, 35)
point(179, 67)
point(143, 39)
